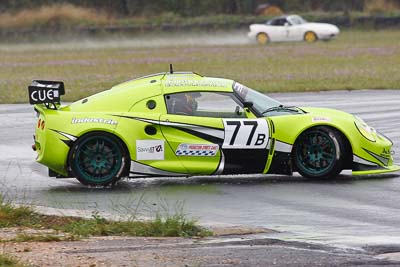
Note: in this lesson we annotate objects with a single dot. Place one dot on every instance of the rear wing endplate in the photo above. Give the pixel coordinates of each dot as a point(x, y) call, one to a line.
point(46, 92)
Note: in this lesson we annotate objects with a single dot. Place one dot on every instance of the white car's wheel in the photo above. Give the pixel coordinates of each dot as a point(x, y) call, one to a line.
point(262, 38)
point(310, 37)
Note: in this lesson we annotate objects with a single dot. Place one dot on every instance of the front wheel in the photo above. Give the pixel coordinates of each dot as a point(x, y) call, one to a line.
point(98, 158)
point(319, 153)
point(310, 37)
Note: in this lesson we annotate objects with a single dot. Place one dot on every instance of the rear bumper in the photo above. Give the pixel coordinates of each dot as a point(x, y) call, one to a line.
point(252, 35)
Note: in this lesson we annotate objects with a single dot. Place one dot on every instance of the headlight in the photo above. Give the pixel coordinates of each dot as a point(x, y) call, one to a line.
point(365, 130)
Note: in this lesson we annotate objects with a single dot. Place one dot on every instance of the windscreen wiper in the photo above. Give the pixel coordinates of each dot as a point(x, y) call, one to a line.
point(282, 107)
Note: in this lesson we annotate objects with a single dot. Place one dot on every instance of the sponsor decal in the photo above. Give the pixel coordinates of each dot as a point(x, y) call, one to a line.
point(40, 96)
point(194, 83)
point(387, 153)
point(321, 119)
point(45, 92)
point(209, 150)
point(150, 149)
point(93, 120)
point(240, 89)
point(245, 133)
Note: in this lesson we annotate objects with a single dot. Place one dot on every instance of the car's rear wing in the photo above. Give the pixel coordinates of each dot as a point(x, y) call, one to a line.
point(46, 92)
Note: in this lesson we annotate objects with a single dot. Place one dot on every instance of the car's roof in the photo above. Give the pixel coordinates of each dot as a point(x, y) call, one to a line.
point(176, 82)
point(283, 17)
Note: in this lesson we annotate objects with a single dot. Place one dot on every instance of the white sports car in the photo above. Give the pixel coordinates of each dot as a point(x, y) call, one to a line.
point(292, 28)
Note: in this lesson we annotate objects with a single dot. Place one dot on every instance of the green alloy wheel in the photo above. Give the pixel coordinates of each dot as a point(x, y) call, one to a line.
point(319, 153)
point(98, 159)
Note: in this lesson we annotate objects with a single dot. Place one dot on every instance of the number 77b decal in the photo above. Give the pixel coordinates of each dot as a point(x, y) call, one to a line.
point(245, 133)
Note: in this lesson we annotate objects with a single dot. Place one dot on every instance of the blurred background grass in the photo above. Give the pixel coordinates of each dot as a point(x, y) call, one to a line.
point(27, 21)
point(356, 60)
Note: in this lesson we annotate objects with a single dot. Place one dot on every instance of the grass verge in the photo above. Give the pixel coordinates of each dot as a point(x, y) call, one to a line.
point(8, 261)
point(22, 237)
point(175, 225)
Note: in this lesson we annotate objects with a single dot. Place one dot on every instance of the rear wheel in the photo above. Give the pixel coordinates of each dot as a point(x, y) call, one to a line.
point(262, 38)
point(319, 152)
point(98, 158)
point(310, 37)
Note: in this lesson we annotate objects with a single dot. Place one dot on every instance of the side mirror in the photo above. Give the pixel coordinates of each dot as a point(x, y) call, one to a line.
point(286, 24)
point(247, 104)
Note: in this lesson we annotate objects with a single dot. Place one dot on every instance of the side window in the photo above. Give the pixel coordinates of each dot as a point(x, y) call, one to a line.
point(204, 104)
point(279, 22)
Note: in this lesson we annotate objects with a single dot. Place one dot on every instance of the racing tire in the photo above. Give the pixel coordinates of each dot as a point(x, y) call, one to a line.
point(310, 37)
point(320, 153)
point(262, 38)
point(98, 159)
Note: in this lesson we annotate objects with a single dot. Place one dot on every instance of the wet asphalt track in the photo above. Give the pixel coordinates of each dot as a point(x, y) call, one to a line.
point(348, 211)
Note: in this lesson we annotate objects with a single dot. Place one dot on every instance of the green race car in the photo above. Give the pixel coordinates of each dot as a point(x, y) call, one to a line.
point(184, 124)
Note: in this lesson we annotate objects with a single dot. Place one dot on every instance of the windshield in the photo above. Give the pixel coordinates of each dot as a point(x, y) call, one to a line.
point(260, 101)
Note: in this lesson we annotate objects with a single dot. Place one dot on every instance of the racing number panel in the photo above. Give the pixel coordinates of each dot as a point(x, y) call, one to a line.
point(245, 147)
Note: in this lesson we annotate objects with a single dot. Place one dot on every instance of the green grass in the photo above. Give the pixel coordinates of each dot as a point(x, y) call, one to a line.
point(23, 216)
point(171, 226)
point(9, 261)
point(356, 60)
point(39, 238)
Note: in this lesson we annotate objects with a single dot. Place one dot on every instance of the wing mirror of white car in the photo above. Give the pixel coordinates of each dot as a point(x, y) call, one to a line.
point(287, 24)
